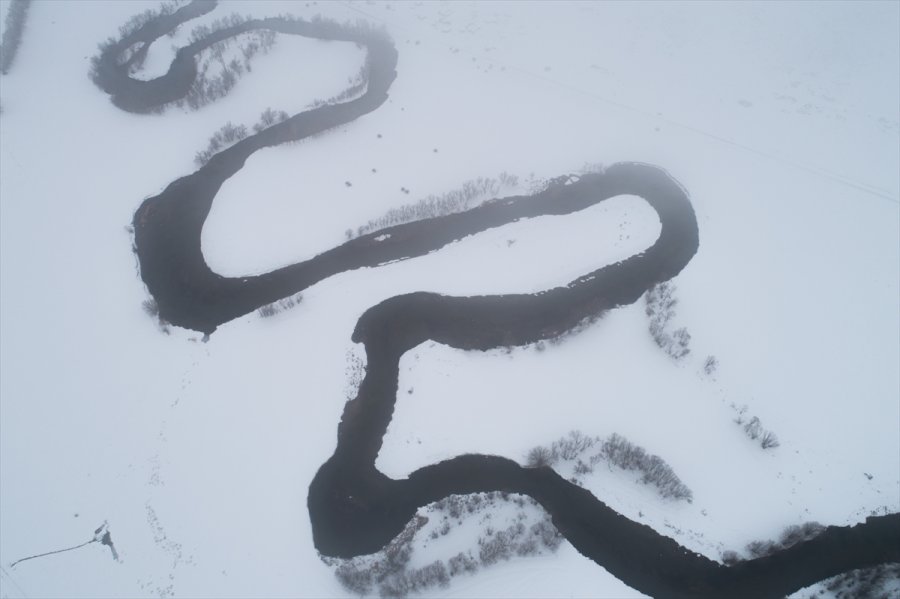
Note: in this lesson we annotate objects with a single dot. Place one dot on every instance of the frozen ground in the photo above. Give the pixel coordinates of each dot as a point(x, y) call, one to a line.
point(780, 119)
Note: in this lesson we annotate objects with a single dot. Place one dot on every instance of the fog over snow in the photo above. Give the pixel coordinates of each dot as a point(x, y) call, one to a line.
point(781, 120)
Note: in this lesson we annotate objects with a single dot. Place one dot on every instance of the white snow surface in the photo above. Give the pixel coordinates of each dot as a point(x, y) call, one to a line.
point(781, 120)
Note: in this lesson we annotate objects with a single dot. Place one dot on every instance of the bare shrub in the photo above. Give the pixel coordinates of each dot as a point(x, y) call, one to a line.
point(792, 535)
point(660, 309)
point(789, 537)
point(540, 456)
point(581, 326)
point(470, 194)
point(880, 582)
point(754, 429)
point(269, 310)
point(355, 577)
point(620, 452)
point(355, 371)
point(387, 569)
point(150, 307)
point(462, 563)
point(217, 71)
point(356, 85)
point(548, 534)
point(761, 548)
point(528, 546)
point(269, 117)
point(769, 440)
point(139, 20)
point(507, 180)
point(502, 545)
point(616, 450)
point(388, 572)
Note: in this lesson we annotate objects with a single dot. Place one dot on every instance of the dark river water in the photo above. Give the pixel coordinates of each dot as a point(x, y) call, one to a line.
point(354, 508)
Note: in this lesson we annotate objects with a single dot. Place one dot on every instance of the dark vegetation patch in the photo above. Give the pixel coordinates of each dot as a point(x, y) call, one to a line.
point(789, 537)
point(527, 531)
point(880, 582)
point(454, 201)
point(753, 428)
point(281, 305)
point(660, 303)
point(14, 27)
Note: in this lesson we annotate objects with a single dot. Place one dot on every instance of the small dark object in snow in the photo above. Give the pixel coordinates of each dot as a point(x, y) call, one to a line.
point(374, 170)
point(435, 150)
point(107, 540)
point(348, 183)
point(379, 136)
point(869, 476)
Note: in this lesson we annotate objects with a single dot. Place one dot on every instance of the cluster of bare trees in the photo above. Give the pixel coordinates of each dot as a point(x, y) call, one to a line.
point(132, 57)
point(219, 70)
point(617, 451)
point(12, 33)
point(139, 20)
point(660, 309)
point(229, 134)
point(226, 136)
point(879, 582)
point(458, 200)
point(518, 540)
point(754, 429)
point(356, 86)
point(281, 305)
point(268, 118)
point(789, 537)
point(151, 309)
point(389, 573)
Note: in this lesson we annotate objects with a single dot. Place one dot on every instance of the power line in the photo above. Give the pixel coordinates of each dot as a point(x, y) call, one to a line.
point(25, 559)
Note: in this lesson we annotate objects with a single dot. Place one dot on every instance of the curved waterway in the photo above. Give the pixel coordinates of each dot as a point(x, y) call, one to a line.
point(354, 508)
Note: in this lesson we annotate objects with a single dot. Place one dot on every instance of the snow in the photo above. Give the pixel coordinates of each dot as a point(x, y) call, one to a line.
point(781, 121)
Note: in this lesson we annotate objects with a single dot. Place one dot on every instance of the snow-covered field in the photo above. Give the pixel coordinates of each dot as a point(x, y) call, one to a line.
point(780, 119)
